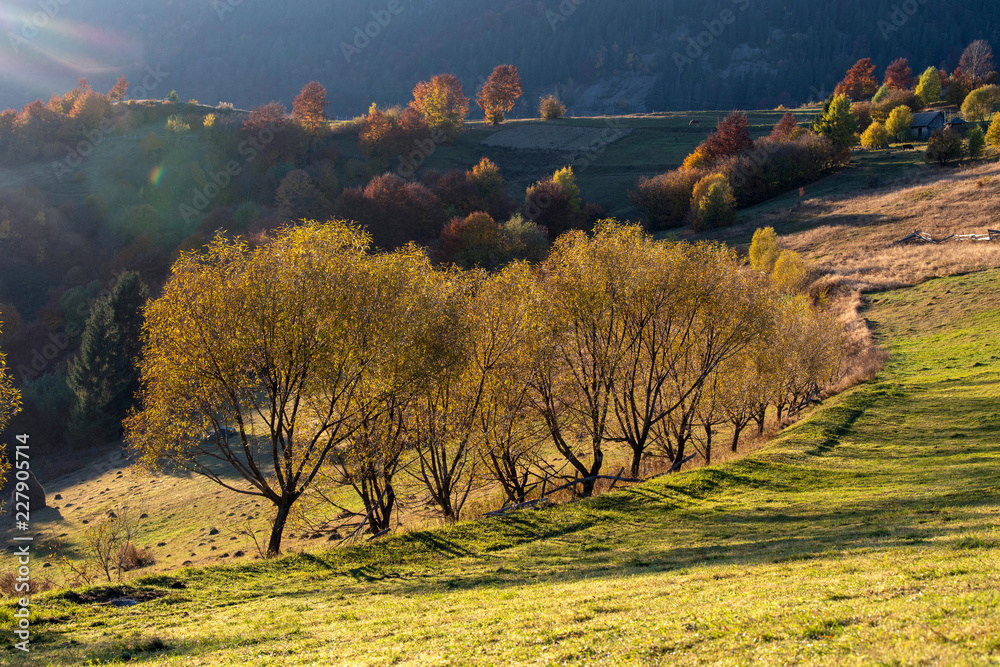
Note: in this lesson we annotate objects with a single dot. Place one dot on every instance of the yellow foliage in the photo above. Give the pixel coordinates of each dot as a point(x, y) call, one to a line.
point(764, 250)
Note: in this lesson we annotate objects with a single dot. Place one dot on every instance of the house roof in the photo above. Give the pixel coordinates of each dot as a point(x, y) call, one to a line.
point(957, 121)
point(926, 118)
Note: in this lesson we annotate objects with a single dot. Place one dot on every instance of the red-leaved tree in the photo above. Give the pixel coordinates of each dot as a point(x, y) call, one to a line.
point(899, 74)
point(859, 83)
point(499, 93)
point(730, 137)
point(309, 108)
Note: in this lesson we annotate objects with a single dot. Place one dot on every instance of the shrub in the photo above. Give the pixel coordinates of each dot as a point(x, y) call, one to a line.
point(473, 241)
point(546, 203)
point(177, 125)
point(775, 166)
point(944, 147)
point(666, 199)
point(395, 211)
point(551, 108)
point(712, 203)
point(975, 142)
point(456, 191)
point(489, 183)
point(8, 586)
point(764, 250)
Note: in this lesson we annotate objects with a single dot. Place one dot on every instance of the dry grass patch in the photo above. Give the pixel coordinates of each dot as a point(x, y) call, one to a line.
point(851, 239)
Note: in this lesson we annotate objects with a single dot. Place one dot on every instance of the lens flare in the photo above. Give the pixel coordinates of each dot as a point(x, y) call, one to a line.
point(156, 175)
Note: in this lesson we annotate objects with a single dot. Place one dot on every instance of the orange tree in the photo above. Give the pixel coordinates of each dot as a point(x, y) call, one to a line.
point(499, 93)
point(859, 83)
point(442, 104)
point(309, 108)
point(260, 362)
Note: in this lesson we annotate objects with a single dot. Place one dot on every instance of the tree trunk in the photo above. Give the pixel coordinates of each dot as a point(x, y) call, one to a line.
point(636, 462)
point(588, 487)
point(761, 418)
point(274, 545)
point(708, 444)
point(381, 516)
point(734, 445)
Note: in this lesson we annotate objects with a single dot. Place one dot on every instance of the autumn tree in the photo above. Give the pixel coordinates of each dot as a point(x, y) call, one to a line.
point(583, 336)
point(976, 62)
point(730, 137)
point(269, 134)
point(395, 211)
point(473, 241)
point(443, 417)
point(277, 342)
point(786, 128)
point(876, 137)
point(119, 90)
point(993, 134)
point(309, 108)
point(859, 83)
point(555, 203)
point(899, 123)
point(499, 93)
point(684, 312)
point(442, 104)
point(929, 86)
point(980, 105)
point(374, 133)
point(370, 460)
point(899, 74)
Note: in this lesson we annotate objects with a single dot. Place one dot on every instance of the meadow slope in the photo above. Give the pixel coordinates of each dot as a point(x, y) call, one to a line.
point(868, 533)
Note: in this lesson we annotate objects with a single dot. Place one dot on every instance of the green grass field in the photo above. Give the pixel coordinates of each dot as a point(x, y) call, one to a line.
point(868, 533)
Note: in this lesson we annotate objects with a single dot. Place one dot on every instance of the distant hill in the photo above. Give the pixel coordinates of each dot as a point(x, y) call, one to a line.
point(632, 55)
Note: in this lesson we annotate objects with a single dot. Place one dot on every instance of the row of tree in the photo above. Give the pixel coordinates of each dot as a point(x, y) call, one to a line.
point(308, 354)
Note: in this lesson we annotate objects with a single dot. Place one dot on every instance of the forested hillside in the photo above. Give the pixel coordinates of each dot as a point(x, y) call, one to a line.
point(600, 57)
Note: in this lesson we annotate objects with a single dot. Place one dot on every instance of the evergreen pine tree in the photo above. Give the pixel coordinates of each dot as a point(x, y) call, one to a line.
point(105, 376)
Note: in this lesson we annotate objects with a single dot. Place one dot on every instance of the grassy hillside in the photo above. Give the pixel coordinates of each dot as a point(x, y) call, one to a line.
point(868, 534)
